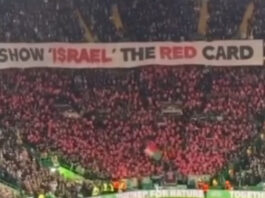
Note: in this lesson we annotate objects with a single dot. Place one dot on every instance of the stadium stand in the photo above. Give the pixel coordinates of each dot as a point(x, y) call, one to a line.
point(59, 21)
point(225, 18)
point(148, 125)
point(107, 111)
point(258, 22)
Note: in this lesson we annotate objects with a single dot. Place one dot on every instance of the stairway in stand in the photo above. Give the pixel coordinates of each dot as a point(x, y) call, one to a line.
point(88, 34)
point(204, 15)
point(244, 26)
point(116, 18)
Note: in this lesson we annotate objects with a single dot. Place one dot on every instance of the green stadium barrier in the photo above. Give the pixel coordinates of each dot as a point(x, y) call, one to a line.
point(261, 186)
point(218, 194)
point(69, 175)
point(147, 183)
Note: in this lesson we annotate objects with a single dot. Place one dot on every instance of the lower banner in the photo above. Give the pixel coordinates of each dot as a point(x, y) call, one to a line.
point(172, 193)
point(235, 194)
point(247, 194)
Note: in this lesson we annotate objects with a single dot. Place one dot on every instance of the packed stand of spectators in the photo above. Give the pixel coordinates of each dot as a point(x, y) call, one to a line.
point(6, 192)
point(225, 17)
point(47, 20)
point(142, 20)
point(20, 169)
point(257, 24)
point(39, 21)
point(250, 168)
point(109, 117)
point(115, 115)
point(97, 15)
point(160, 20)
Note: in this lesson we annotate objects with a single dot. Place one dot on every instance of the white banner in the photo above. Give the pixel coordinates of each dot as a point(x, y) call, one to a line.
point(126, 55)
point(247, 194)
point(158, 194)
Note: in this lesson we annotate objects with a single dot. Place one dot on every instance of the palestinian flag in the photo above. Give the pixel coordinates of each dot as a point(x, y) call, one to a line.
point(153, 151)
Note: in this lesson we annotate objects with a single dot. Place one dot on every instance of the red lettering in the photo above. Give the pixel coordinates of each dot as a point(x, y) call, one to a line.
point(72, 55)
point(79, 56)
point(105, 59)
point(190, 52)
point(177, 52)
point(165, 52)
point(95, 55)
point(84, 56)
point(61, 54)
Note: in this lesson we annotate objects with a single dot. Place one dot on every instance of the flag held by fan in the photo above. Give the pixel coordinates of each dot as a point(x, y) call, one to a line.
point(153, 151)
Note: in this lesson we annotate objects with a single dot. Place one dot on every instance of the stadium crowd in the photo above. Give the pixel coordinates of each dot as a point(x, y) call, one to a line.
point(258, 20)
point(104, 119)
point(32, 21)
point(20, 168)
point(46, 20)
point(225, 18)
point(249, 168)
point(168, 21)
point(108, 118)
